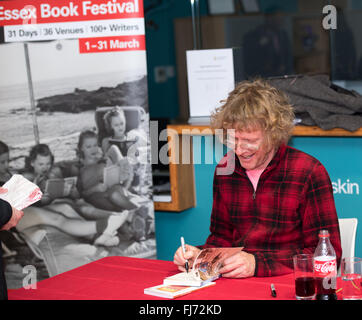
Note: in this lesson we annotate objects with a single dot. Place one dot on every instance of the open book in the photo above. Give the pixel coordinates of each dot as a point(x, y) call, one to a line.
point(117, 173)
point(205, 268)
point(111, 175)
point(172, 292)
point(59, 188)
point(21, 192)
point(188, 279)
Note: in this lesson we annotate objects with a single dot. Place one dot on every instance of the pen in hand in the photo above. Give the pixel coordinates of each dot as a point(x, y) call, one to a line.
point(184, 251)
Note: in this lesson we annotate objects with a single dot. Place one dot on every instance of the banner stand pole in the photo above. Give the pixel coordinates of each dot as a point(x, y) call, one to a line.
point(31, 94)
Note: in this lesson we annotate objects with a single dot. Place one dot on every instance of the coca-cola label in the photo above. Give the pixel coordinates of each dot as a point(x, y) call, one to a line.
point(324, 268)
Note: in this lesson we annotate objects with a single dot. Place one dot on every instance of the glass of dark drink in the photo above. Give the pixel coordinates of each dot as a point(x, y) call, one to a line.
point(303, 275)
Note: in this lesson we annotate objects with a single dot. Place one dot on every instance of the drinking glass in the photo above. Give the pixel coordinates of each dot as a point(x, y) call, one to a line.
point(303, 275)
point(351, 272)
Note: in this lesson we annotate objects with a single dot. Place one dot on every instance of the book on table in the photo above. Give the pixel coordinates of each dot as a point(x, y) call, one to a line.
point(205, 269)
point(172, 291)
point(188, 279)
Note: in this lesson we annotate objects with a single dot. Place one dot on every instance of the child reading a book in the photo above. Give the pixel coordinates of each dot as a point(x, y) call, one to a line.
point(132, 144)
point(39, 166)
point(94, 190)
point(40, 169)
point(90, 180)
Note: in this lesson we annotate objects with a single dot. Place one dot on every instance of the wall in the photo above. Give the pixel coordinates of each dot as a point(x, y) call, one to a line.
point(341, 156)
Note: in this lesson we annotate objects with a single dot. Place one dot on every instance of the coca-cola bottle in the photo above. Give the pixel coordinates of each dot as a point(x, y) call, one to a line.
point(325, 268)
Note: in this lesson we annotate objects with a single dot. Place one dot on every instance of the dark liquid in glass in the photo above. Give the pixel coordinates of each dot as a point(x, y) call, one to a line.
point(304, 286)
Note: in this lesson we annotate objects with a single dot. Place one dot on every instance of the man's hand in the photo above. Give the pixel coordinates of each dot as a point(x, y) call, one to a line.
point(239, 265)
point(179, 258)
point(15, 218)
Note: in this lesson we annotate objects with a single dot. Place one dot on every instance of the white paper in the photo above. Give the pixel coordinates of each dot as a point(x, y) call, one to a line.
point(210, 75)
point(21, 192)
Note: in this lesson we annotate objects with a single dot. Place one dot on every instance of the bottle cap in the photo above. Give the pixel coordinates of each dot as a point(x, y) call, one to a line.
point(323, 234)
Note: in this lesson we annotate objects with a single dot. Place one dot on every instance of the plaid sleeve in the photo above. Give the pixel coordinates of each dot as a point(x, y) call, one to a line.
point(221, 228)
point(317, 211)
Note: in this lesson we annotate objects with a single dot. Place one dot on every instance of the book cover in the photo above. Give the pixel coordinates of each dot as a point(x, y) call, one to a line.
point(111, 175)
point(59, 188)
point(171, 291)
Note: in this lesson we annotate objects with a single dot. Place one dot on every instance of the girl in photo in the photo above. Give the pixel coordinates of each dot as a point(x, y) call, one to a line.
point(38, 166)
point(117, 197)
point(132, 144)
point(115, 125)
point(91, 184)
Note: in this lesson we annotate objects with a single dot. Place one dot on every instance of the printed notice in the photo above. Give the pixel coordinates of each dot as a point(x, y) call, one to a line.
point(210, 75)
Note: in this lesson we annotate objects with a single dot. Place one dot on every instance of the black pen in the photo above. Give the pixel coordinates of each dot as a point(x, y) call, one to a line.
point(184, 251)
point(273, 291)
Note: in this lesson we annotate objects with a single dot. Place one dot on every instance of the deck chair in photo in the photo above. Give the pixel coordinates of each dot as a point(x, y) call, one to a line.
point(7, 253)
point(135, 117)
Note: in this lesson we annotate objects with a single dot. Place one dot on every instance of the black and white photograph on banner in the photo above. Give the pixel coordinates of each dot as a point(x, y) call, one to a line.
point(77, 125)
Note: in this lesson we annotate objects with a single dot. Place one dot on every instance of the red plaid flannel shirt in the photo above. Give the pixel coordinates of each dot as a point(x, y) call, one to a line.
point(293, 201)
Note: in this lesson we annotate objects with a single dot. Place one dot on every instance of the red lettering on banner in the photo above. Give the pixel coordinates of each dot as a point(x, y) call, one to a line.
point(108, 44)
point(37, 11)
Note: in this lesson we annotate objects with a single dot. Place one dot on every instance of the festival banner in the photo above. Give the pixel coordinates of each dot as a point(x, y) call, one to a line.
point(74, 120)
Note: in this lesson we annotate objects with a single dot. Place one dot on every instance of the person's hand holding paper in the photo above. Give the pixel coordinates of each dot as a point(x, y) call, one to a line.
point(15, 217)
point(21, 192)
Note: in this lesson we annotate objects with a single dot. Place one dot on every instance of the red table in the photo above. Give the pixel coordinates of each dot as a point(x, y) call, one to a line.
point(125, 278)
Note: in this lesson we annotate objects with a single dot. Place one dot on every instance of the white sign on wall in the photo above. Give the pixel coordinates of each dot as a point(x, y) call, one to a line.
point(210, 76)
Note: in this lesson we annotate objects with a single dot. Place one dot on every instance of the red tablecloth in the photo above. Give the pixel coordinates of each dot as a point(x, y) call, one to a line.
point(126, 278)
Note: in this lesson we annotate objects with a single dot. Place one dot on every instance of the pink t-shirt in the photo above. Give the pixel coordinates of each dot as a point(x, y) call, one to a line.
point(254, 176)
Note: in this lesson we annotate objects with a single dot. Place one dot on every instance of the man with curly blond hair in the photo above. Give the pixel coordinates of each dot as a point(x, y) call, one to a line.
point(276, 199)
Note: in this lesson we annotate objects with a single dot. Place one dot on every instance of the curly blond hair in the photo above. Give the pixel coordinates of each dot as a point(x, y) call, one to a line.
point(254, 105)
